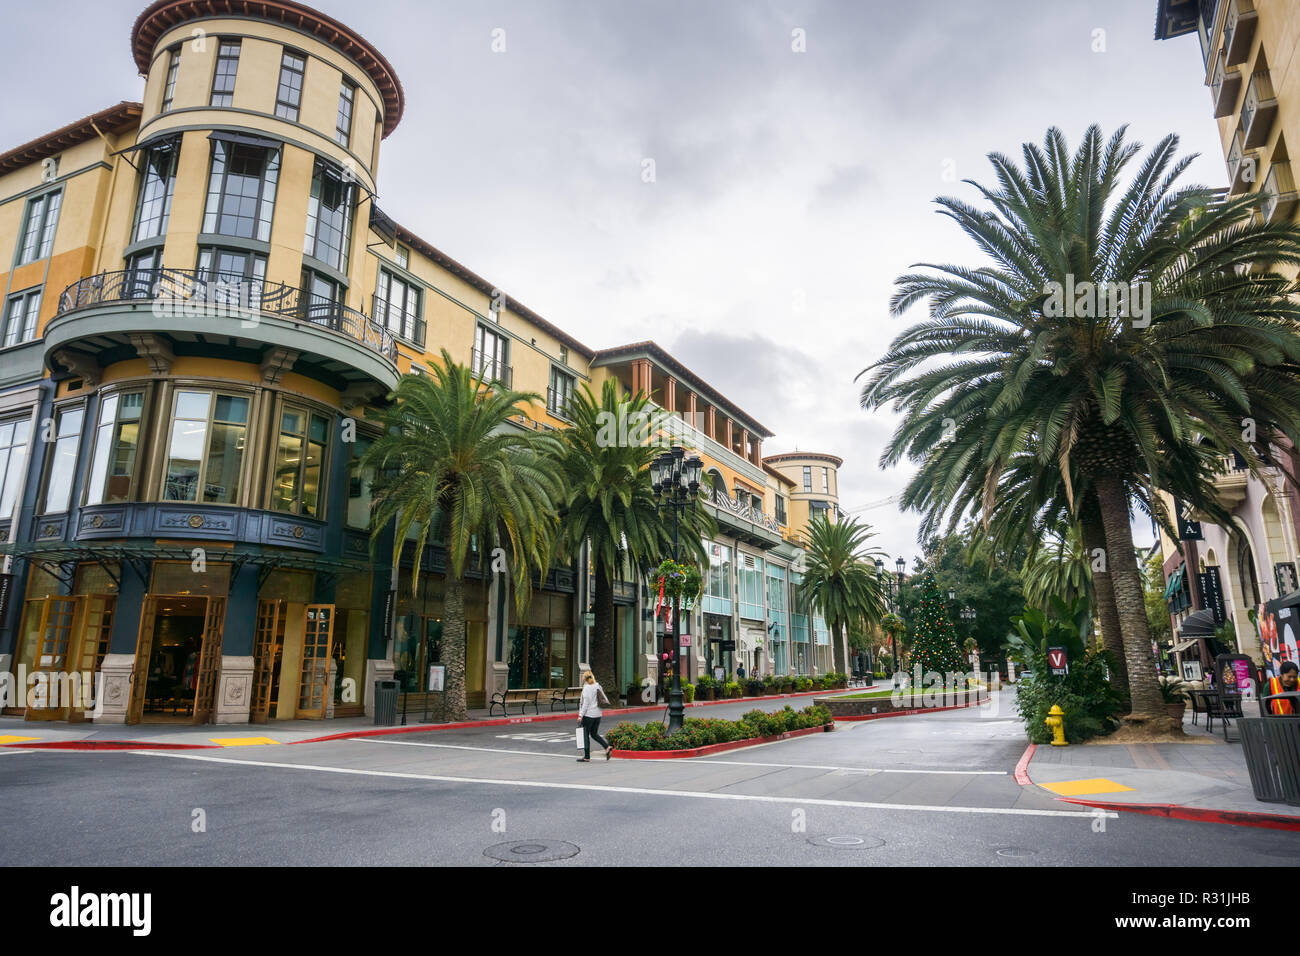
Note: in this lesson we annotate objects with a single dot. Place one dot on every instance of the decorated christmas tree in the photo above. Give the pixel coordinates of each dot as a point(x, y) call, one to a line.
point(934, 639)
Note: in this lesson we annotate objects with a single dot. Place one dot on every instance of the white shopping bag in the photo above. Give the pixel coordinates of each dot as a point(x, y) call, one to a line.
point(578, 741)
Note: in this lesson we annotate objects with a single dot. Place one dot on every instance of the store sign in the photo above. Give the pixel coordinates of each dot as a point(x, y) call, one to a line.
point(589, 619)
point(1284, 574)
point(1212, 594)
point(1235, 674)
point(1056, 660)
point(1188, 530)
point(684, 641)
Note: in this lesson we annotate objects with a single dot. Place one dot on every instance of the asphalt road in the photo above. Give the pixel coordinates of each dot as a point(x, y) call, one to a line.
point(937, 789)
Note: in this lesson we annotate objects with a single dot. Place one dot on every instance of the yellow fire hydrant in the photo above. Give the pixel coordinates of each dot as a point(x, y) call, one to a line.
point(1056, 720)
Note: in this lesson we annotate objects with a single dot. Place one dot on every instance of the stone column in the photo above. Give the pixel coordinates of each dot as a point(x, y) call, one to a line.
point(670, 395)
point(234, 690)
point(116, 673)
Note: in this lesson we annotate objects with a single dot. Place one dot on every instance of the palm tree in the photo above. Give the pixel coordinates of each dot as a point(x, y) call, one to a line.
point(451, 466)
point(841, 582)
point(608, 503)
point(1112, 395)
point(1058, 566)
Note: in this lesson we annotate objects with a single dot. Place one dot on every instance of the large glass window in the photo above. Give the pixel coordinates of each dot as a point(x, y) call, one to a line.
point(169, 88)
point(807, 477)
point(241, 190)
point(397, 307)
point(63, 460)
point(343, 125)
point(491, 356)
point(560, 393)
point(38, 227)
point(157, 182)
point(359, 480)
point(206, 453)
point(223, 79)
point(237, 275)
point(117, 442)
point(14, 437)
point(750, 585)
point(718, 585)
point(21, 312)
point(329, 217)
point(300, 462)
point(288, 95)
point(780, 510)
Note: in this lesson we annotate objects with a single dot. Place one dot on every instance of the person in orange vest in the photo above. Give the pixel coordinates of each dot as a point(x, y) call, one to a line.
point(1287, 682)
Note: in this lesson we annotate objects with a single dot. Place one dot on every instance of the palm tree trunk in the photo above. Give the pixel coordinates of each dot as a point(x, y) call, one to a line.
point(454, 646)
point(839, 648)
point(602, 651)
point(1148, 707)
point(1094, 539)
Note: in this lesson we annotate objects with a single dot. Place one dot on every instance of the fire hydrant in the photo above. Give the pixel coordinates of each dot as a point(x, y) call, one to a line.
point(1056, 720)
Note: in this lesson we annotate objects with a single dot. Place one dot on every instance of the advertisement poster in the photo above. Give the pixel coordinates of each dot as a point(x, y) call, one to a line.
point(1277, 633)
point(1235, 674)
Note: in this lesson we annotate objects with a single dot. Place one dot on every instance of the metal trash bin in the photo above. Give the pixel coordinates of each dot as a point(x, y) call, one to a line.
point(386, 703)
point(1265, 776)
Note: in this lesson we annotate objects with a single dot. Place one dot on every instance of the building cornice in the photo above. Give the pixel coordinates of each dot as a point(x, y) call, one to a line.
point(115, 119)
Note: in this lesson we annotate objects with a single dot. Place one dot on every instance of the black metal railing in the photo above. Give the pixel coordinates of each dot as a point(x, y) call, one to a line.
point(491, 369)
point(227, 293)
point(557, 403)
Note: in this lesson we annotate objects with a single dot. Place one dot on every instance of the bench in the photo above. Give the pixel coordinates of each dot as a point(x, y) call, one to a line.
point(566, 695)
point(519, 695)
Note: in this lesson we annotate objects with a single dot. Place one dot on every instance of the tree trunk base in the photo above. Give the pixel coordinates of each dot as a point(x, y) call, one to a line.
point(1148, 730)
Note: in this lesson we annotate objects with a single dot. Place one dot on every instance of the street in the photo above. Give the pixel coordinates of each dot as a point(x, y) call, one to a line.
point(937, 789)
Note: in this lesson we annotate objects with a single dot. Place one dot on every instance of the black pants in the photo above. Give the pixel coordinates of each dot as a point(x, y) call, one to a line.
point(590, 729)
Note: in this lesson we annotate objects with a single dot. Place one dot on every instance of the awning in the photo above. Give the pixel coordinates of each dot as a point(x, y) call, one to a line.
point(1182, 646)
point(244, 139)
point(1175, 581)
point(1197, 624)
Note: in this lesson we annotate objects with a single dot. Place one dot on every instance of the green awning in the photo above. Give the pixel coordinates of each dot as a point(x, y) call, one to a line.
point(1175, 582)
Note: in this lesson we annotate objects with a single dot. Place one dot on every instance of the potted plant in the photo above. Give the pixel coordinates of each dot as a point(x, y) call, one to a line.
point(688, 693)
point(1175, 701)
point(704, 687)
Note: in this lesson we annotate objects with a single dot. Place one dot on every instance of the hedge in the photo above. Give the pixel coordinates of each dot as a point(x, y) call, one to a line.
point(701, 732)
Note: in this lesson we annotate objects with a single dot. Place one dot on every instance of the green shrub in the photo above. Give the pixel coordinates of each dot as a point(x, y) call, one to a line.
point(688, 692)
point(701, 732)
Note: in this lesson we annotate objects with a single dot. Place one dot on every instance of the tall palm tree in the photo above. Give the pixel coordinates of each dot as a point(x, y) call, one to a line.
point(608, 503)
point(841, 582)
point(451, 466)
point(1058, 566)
point(1112, 395)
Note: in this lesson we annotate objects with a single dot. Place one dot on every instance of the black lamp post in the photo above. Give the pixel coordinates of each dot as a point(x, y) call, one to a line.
point(676, 482)
point(900, 564)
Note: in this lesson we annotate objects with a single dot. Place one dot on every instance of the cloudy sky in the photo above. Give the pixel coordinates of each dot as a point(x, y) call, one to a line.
point(789, 188)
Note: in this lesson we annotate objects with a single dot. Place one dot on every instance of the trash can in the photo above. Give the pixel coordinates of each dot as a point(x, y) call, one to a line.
point(385, 703)
point(1272, 749)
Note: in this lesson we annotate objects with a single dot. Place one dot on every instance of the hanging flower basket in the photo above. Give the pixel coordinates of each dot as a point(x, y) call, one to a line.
point(678, 581)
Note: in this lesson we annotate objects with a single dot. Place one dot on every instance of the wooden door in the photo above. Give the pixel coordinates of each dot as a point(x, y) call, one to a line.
point(268, 644)
point(92, 641)
point(143, 650)
point(205, 693)
point(317, 640)
point(49, 696)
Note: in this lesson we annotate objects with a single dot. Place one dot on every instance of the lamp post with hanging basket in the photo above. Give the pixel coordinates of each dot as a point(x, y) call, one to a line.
point(676, 482)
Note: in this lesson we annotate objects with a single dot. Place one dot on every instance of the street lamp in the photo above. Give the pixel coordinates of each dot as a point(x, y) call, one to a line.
point(900, 564)
point(676, 483)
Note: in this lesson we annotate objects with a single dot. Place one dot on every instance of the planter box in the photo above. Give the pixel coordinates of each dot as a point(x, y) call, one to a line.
point(868, 706)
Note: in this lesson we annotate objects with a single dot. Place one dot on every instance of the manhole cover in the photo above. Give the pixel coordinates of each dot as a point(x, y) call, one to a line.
point(531, 851)
point(845, 842)
point(1015, 851)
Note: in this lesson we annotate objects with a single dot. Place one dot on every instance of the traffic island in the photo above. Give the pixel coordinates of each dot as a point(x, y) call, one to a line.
point(874, 705)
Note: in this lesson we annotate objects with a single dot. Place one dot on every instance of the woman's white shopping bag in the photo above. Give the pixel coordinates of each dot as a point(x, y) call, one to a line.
point(577, 739)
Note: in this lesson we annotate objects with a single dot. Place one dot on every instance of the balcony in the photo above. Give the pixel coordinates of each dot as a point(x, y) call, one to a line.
point(1258, 111)
point(557, 403)
point(159, 313)
point(1230, 482)
point(1239, 31)
point(1225, 84)
point(491, 369)
point(687, 434)
point(749, 524)
point(1243, 167)
point(1279, 193)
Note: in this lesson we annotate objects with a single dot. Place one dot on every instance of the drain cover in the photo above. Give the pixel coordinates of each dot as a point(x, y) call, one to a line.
point(846, 842)
point(531, 851)
point(1015, 851)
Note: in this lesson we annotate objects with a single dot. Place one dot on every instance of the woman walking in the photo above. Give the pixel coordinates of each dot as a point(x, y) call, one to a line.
point(589, 714)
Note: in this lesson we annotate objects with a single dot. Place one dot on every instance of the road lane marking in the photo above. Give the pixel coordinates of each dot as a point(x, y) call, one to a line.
point(693, 760)
point(640, 791)
point(7, 739)
point(15, 752)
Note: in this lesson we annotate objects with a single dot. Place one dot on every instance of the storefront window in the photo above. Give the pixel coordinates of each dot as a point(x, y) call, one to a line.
point(117, 440)
point(206, 448)
point(538, 652)
point(300, 462)
point(63, 461)
point(359, 480)
point(14, 435)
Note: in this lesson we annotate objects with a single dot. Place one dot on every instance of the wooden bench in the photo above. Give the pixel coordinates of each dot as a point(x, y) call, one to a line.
point(566, 695)
point(523, 696)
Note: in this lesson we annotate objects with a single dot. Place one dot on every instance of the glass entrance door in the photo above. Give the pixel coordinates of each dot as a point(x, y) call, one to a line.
point(48, 699)
point(316, 657)
point(214, 622)
point(268, 646)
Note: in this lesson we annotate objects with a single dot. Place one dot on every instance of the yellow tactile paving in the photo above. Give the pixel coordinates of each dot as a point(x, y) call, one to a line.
point(1075, 788)
point(241, 741)
point(11, 739)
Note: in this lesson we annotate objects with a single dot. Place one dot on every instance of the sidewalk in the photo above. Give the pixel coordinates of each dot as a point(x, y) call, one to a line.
point(1203, 779)
point(17, 732)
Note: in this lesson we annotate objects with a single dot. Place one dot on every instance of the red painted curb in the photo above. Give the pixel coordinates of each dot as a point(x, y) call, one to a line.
point(1237, 818)
point(908, 713)
point(1022, 768)
point(413, 729)
point(713, 748)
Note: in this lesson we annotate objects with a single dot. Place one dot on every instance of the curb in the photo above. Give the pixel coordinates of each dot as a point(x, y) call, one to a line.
point(717, 748)
point(385, 731)
point(1172, 811)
